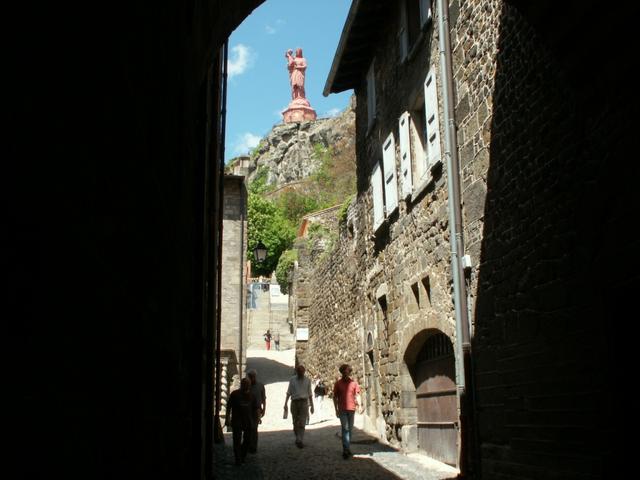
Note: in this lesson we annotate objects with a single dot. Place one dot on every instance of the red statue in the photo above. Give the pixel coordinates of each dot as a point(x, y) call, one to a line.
point(297, 66)
point(299, 109)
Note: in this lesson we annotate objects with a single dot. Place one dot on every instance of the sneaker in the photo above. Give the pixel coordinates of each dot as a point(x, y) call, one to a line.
point(345, 454)
point(298, 444)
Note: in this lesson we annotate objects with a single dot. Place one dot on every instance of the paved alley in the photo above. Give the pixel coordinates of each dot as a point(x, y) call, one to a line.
point(279, 458)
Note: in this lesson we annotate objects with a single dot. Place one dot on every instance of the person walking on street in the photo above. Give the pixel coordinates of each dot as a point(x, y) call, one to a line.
point(267, 339)
point(244, 413)
point(319, 392)
point(276, 339)
point(258, 391)
point(301, 400)
point(345, 399)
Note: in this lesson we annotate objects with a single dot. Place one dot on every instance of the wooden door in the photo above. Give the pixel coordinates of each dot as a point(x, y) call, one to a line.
point(436, 399)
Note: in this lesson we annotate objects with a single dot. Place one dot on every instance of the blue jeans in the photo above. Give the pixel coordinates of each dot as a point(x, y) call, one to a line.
point(346, 421)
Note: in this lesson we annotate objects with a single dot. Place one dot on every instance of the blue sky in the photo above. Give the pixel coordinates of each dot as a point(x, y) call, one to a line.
point(258, 78)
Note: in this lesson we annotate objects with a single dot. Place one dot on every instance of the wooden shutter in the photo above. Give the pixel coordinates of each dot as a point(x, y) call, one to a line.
point(405, 154)
point(390, 182)
point(425, 11)
point(371, 94)
point(378, 200)
point(431, 118)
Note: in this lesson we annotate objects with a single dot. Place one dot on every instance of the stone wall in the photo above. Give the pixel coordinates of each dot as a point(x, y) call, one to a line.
point(395, 266)
point(234, 313)
point(538, 135)
point(113, 152)
point(538, 195)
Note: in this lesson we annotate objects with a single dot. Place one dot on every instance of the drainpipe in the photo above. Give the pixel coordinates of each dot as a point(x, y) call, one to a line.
point(243, 286)
point(463, 343)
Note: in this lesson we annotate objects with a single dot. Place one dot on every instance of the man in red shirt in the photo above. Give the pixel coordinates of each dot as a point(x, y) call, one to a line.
point(345, 399)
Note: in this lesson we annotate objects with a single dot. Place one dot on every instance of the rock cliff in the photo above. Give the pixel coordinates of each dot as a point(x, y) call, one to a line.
point(287, 152)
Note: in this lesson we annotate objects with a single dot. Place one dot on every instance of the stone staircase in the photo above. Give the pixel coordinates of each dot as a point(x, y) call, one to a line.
point(266, 316)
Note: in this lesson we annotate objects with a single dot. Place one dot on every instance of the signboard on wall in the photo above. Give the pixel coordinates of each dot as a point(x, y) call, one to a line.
point(302, 333)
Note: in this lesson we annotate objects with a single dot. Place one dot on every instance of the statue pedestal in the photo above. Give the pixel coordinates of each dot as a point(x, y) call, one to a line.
point(299, 110)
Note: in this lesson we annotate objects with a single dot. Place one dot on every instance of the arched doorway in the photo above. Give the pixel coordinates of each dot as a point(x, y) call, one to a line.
point(431, 363)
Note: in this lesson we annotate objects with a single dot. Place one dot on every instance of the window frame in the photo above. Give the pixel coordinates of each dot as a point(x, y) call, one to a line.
point(370, 80)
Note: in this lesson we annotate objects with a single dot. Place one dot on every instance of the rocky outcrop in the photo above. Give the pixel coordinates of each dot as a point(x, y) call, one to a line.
point(288, 151)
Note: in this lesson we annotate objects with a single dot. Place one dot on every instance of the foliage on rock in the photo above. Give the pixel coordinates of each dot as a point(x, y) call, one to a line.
point(298, 169)
point(285, 265)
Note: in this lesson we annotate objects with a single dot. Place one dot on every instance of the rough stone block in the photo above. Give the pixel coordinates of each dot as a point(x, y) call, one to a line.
point(409, 438)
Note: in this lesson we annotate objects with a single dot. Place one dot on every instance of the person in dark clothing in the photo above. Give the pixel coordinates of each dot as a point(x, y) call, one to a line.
point(243, 413)
point(258, 391)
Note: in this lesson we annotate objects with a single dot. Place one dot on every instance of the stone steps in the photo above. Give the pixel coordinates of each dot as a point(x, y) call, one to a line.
point(260, 319)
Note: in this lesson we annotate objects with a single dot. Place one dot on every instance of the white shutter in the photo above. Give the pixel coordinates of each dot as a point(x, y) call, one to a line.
point(371, 94)
point(425, 11)
point(431, 118)
point(390, 182)
point(403, 33)
point(405, 155)
point(378, 201)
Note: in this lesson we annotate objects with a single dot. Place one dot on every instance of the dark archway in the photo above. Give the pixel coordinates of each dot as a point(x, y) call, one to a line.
point(115, 128)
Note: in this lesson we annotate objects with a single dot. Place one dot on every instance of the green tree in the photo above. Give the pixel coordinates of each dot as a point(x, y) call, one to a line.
point(267, 223)
point(285, 265)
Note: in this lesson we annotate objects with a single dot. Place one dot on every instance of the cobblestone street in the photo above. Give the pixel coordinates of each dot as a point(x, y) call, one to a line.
point(279, 458)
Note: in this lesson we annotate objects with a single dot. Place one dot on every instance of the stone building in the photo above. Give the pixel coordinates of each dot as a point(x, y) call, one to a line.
point(484, 125)
point(234, 336)
point(310, 245)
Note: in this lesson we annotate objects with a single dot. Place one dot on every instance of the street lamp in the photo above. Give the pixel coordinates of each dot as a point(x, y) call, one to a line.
point(260, 252)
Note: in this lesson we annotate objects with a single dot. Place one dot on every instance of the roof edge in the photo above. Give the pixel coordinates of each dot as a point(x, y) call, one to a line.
point(337, 57)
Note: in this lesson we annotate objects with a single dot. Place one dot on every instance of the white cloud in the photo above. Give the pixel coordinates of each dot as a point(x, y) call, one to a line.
point(241, 59)
point(245, 142)
point(273, 28)
point(334, 112)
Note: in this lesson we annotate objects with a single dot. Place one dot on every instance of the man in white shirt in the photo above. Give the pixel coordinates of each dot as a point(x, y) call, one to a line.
point(301, 399)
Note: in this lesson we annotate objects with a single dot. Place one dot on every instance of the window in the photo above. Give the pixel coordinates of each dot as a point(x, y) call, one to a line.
point(384, 186)
point(432, 126)
point(390, 182)
point(414, 15)
point(419, 131)
point(371, 95)
point(418, 135)
point(384, 316)
point(436, 346)
point(405, 154)
point(378, 199)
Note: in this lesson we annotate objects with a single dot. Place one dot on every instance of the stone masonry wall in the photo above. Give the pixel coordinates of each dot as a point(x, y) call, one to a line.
point(538, 135)
point(407, 257)
point(540, 129)
point(234, 325)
